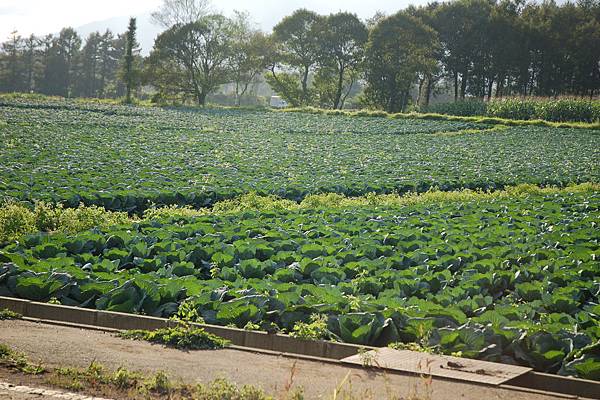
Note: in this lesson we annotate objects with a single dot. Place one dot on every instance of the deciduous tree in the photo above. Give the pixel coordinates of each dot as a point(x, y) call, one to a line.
point(399, 48)
point(298, 51)
point(342, 40)
point(199, 51)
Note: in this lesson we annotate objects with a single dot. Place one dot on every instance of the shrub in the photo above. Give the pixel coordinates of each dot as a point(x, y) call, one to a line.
point(82, 218)
point(172, 211)
point(123, 378)
point(253, 201)
point(159, 383)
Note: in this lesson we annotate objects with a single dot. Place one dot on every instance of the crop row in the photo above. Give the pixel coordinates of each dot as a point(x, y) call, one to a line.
point(505, 279)
point(125, 158)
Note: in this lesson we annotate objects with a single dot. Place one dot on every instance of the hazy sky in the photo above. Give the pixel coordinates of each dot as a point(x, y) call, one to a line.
point(49, 16)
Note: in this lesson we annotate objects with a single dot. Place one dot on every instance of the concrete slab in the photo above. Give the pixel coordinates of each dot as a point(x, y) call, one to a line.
point(463, 369)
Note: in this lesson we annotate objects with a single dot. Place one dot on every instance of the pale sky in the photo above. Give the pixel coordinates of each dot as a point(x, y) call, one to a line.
point(49, 16)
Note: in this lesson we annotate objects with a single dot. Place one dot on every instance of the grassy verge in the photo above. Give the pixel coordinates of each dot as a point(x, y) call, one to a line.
point(123, 383)
point(495, 128)
point(445, 117)
point(97, 380)
point(490, 120)
point(20, 219)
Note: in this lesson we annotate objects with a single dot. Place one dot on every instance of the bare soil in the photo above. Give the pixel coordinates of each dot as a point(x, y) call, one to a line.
point(59, 346)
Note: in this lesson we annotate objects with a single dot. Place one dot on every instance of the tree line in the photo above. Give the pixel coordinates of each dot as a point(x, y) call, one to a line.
point(62, 65)
point(469, 48)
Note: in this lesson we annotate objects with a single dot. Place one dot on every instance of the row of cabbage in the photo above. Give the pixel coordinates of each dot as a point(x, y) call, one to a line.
point(125, 158)
point(509, 279)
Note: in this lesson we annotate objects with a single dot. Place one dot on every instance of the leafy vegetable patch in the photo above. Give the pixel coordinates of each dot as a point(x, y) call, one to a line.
point(501, 279)
point(125, 159)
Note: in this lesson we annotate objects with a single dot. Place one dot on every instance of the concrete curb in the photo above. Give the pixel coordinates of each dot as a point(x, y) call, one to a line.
point(534, 382)
point(122, 321)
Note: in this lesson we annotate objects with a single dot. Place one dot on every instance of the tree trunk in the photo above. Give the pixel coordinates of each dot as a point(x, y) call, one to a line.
point(420, 91)
point(463, 85)
point(499, 86)
point(393, 101)
point(428, 90)
point(455, 86)
point(338, 93)
point(201, 97)
point(404, 101)
point(345, 96)
point(425, 87)
point(489, 89)
point(305, 86)
point(237, 93)
point(531, 82)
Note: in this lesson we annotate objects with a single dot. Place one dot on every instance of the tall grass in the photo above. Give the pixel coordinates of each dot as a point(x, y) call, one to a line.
point(464, 108)
point(546, 109)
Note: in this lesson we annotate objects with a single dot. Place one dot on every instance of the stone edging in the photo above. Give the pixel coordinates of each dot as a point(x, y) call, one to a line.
point(122, 321)
point(283, 344)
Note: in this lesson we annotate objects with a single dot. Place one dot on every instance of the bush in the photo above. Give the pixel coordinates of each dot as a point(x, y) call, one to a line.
point(8, 314)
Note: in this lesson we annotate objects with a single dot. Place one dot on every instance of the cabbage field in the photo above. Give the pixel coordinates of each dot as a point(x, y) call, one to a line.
point(509, 276)
point(128, 158)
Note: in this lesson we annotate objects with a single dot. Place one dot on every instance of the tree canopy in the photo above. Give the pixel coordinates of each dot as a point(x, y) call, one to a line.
point(466, 48)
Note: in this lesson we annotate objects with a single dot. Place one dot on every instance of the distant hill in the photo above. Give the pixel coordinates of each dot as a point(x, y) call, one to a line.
point(146, 30)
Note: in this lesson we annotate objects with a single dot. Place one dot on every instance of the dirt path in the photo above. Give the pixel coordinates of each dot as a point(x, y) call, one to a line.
point(66, 346)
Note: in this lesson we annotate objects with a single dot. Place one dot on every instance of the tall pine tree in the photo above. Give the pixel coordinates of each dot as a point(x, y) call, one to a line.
point(130, 72)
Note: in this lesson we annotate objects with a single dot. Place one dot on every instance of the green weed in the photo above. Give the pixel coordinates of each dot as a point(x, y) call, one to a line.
point(181, 337)
point(8, 314)
point(316, 329)
point(18, 361)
